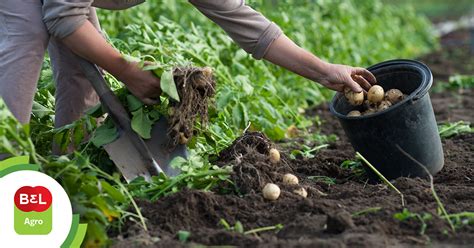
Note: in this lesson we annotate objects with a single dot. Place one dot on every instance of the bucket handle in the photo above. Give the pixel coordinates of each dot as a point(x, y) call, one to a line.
point(420, 94)
point(425, 89)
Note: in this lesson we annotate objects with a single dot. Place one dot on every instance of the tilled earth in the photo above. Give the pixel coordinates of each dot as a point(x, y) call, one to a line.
point(343, 211)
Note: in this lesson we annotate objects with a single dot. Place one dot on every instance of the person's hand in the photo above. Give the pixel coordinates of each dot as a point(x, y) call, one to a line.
point(337, 77)
point(143, 84)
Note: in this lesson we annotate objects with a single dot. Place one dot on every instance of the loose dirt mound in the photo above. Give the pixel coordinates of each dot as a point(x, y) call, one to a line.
point(252, 168)
point(326, 217)
point(350, 212)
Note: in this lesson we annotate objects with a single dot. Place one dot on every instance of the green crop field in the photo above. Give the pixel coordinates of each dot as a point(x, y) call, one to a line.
point(250, 95)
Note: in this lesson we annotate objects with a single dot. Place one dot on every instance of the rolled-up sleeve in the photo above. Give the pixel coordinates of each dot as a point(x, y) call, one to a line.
point(247, 27)
point(63, 17)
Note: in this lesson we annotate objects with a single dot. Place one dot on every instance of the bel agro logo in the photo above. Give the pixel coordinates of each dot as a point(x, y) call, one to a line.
point(33, 211)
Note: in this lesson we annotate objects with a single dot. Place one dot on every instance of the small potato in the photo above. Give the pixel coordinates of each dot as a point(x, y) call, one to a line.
point(368, 104)
point(394, 96)
point(354, 98)
point(301, 191)
point(290, 179)
point(375, 94)
point(274, 156)
point(354, 113)
point(207, 71)
point(171, 111)
point(292, 131)
point(271, 191)
point(370, 111)
point(384, 105)
point(183, 140)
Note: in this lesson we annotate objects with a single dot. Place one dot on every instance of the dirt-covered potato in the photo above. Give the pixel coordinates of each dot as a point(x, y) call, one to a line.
point(384, 105)
point(394, 96)
point(354, 113)
point(290, 179)
point(207, 71)
point(354, 98)
point(274, 156)
point(369, 111)
point(183, 140)
point(367, 104)
point(301, 191)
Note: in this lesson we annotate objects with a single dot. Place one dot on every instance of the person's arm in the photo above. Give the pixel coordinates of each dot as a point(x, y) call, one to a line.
point(286, 53)
point(88, 43)
point(264, 39)
point(67, 21)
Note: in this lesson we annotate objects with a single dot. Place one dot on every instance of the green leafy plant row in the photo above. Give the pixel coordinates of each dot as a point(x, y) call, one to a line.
point(249, 91)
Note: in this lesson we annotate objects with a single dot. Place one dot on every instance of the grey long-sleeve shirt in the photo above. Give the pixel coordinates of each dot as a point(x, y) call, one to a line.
point(247, 27)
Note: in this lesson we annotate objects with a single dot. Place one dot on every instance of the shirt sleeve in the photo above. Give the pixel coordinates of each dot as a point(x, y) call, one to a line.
point(247, 27)
point(116, 4)
point(63, 17)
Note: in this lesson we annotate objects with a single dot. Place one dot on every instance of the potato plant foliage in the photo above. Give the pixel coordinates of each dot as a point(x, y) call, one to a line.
point(270, 99)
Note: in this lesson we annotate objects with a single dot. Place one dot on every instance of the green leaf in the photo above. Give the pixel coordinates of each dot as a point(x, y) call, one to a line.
point(225, 224)
point(58, 137)
point(239, 227)
point(141, 124)
point(404, 215)
point(90, 190)
point(40, 110)
point(104, 135)
point(113, 192)
point(237, 115)
point(224, 99)
point(133, 103)
point(158, 71)
point(244, 84)
point(183, 236)
point(168, 85)
point(78, 135)
point(447, 130)
point(154, 115)
point(178, 162)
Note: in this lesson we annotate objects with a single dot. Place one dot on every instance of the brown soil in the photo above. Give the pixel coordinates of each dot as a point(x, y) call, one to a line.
point(331, 214)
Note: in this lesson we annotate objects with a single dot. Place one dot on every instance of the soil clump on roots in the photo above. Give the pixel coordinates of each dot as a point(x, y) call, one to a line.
point(196, 87)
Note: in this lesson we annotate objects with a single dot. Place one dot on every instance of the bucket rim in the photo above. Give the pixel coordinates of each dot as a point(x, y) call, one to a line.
point(419, 92)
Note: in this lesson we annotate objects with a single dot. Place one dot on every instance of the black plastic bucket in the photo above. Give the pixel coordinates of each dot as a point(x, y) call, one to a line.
point(410, 124)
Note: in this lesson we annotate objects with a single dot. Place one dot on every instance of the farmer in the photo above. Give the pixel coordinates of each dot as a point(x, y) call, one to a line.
point(68, 27)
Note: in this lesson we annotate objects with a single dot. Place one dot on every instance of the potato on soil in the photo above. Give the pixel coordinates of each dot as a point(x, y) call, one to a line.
point(354, 113)
point(290, 179)
point(274, 156)
point(375, 94)
point(354, 98)
point(271, 191)
point(301, 191)
point(394, 96)
point(292, 131)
